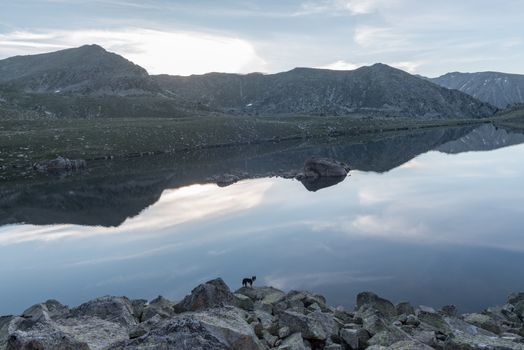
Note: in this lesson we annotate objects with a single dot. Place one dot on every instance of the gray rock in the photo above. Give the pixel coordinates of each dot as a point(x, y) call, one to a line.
point(389, 336)
point(430, 317)
point(449, 310)
point(5, 321)
point(97, 333)
point(261, 293)
point(405, 308)
point(355, 338)
point(515, 298)
point(409, 345)
point(369, 299)
point(245, 302)
point(482, 321)
point(270, 339)
point(138, 306)
point(214, 293)
point(316, 325)
point(263, 306)
point(284, 332)
point(293, 342)
point(158, 306)
point(412, 320)
point(323, 167)
point(213, 329)
point(114, 309)
point(43, 336)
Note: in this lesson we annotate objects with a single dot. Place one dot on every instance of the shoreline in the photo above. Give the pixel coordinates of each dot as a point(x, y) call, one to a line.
point(214, 317)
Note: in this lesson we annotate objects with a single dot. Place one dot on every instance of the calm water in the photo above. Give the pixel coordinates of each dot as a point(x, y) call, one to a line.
point(434, 218)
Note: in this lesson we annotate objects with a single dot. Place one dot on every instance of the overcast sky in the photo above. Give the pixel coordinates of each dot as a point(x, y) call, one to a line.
point(198, 36)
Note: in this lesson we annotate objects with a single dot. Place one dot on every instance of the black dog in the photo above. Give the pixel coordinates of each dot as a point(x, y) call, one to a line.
point(249, 281)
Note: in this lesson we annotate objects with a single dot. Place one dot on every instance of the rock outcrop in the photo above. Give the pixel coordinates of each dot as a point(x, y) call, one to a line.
point(60, 165)
point(262, 318)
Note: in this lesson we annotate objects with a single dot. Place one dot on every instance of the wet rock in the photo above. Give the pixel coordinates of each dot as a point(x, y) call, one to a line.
point(213, 329)
point(114, 309)
point(214, 293)
point(369, 299)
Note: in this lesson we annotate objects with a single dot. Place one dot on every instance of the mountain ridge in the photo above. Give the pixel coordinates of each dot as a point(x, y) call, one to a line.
point(95, 77)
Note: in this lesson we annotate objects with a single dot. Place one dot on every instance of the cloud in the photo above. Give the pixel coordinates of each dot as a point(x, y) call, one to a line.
point(170, 52)
point(341, 65)
point(318, 279)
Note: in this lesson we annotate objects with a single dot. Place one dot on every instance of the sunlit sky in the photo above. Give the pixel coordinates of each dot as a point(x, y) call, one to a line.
point(199, 36)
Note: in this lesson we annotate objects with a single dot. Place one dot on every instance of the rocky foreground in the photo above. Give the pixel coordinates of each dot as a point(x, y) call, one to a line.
point(212, 317)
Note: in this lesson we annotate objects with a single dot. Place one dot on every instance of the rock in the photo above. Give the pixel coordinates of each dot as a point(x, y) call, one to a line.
point(266, 319)
point(369, 299)
point(372, 321)
point(114, 309)
point(59, 165)
point(515, 298)
point(138, 306)
point(245, 302)
point(225, 179)
point(43, 336)
point(263, 306)
point(425, 337)
point(333, 347)
point(158, 306)
point(409, 345)
point(316, 325)
point(270, 294)
point(97, 333)
point(214, 293)
point(323, 167)
point(482, 321)
point(307, 300)
point(4, 330)
point(389, 336)
point(269, 339)
point(405, 308)
point(213, 329)
point(293, 342)
point(284, 332)
point(430, 317)
point(449, 310)
point(355, 338)
point(412, 320)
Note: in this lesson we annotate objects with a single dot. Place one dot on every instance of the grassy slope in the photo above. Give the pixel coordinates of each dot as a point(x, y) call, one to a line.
point(23, 142)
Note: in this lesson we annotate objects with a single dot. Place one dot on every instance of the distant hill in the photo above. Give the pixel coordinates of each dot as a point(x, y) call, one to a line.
point(375, 90)
point(89, 70)
point(498, 89)
point(90, 82)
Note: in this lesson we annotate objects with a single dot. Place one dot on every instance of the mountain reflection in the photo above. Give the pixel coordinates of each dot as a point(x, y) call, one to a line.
point(111, 192)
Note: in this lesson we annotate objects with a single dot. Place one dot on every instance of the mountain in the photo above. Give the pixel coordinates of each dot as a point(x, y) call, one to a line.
point(89, 70)
point(90, 82)
point(498, 89)
point(373, 90)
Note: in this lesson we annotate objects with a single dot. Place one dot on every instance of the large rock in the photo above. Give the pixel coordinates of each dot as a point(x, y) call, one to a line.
point(315, 325)
point(214, 293)
point(369, 299)
point(114, 309)
point(266, 294)
point(409, 345)
point(214, 329)
point(323, 167)
point(4, 330)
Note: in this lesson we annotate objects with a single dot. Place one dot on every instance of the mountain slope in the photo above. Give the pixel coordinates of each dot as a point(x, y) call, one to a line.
point(498, 89)
point(88, 69)
point(377, 89)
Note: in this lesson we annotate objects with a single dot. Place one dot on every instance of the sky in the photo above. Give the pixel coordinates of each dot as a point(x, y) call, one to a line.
point(199, 36)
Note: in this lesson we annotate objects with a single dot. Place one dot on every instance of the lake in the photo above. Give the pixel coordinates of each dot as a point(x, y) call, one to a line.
point(433, 217)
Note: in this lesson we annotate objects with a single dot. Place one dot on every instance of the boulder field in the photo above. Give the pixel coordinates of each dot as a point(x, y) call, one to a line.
point(260, 318)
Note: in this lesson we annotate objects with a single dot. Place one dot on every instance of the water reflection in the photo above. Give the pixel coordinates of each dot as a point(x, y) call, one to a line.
point(440, 228)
